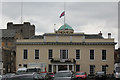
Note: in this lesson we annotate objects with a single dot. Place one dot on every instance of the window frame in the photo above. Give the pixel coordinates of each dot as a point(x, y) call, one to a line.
point(50, 57)
point(25, 58)
point(76, 67)
point(93, 67)
point(104, 67)
point(49, 67)
point(77, 55)
point(105, 55)
point(61, 54)
point(90, 55)
point(38, 54)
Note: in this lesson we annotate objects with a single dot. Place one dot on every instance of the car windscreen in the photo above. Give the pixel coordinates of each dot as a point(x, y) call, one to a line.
point(80, 73)
point(63, 74)
point(33, 70)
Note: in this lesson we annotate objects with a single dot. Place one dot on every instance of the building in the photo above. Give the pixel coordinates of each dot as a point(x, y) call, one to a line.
point(1, 62)
point(9, 37)
point(117, 55)
point(66, 50)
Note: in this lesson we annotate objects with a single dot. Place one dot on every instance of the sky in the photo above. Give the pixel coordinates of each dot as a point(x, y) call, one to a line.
point(83, 16)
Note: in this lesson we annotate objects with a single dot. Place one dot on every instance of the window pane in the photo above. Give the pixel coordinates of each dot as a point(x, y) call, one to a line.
point(104, 68)
point(25, 54)
point(50, 68)
point(91, 54)
point(92, 69)
point(36, 54)
point(50, 51)
point(77, 68)
point(64, 54)
point(103, 54)
point(78, 54)
point(25, 65)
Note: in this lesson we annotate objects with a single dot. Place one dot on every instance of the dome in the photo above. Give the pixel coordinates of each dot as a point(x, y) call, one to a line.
point(67, 27)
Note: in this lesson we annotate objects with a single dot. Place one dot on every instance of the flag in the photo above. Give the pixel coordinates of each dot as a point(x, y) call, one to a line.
point(62, 14)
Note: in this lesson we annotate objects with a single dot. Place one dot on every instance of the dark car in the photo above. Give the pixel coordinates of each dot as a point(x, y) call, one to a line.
point(28, 76)
point(64, 75)
point(100, 75)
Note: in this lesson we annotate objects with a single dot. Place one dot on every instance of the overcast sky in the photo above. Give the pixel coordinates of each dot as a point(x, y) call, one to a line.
point(87, 17)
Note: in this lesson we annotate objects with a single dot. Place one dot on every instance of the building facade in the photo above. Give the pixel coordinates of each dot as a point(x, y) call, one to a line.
point(9, 37)
point(117, 55)
point(66, 50)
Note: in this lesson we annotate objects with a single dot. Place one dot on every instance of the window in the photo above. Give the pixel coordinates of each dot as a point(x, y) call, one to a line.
point(63, 54)
point(104, 68)
point(103, 54)
point(92, 69)
point(77, 54)
point(49, 68)
point(50, 53)
point(25, 65)
point(25, 54)
point(91, 54)
point(36, 54)
point(77, 68)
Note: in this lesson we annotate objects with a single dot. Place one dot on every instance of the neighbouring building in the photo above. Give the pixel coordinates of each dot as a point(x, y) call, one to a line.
point(66, 50)
point(9, 37)
point(1, 61)
point(117, 55)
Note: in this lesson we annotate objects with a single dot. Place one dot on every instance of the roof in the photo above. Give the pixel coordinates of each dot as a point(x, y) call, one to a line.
point(87, 36)
point(8, 33)
point(93, 36)
point(66, 27)
point(65, 43)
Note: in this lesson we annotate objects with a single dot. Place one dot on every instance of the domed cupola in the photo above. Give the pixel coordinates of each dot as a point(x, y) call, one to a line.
point(65, 29)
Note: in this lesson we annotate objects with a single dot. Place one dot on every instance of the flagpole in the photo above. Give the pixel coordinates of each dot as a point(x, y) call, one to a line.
point(64, 14)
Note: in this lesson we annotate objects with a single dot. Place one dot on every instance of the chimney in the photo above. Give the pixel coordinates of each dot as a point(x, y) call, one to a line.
point(109, 35)
point(100, 33)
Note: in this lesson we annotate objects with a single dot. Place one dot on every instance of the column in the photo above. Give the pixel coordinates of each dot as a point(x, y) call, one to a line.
point(56, 68)
point(52, 67)
point(68, 67)
point(72, 67)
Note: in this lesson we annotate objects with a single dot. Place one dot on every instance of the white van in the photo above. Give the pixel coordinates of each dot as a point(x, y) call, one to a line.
point(21, 70)
point(30, 69)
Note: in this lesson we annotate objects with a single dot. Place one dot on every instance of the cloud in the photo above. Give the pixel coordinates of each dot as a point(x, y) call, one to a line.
point(88, 17)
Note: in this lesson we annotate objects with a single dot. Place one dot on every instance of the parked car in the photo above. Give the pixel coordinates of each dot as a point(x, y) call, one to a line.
point(27, 76)
point(81, 75)
point(28, 70)
point(8, 75)
point(51, 74)
point(64, 75)
point(100, 75)
point(0, 77)
point(44, 76)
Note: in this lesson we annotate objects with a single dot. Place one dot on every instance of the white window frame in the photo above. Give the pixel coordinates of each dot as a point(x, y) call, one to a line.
point(94, 55)
point(35, 56)
point(79, 54)
point(66, 54)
